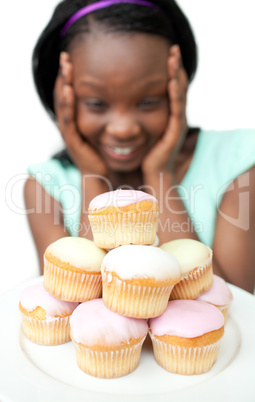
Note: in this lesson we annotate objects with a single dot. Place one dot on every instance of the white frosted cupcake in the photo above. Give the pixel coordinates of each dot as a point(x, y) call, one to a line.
point(123, 217)
point(186, 337)
point(107, 344)
point(138, 280)
point(219, 295)
point(72, 269)
point(195, 259)
point(45, 319)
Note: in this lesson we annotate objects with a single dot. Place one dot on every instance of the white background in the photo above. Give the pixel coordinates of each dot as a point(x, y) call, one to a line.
point(221, 97)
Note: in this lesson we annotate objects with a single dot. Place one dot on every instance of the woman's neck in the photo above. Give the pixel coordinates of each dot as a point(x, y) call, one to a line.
point(132, 179)
point(185, 156)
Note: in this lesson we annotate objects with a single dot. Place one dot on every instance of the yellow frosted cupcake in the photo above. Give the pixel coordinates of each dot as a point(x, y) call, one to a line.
point(72, 269)
point(138, 280)
point(107, 344)
point(195, 259)
point(219, 295)
point(186, 337)
point(45, 319)
point(123, 217)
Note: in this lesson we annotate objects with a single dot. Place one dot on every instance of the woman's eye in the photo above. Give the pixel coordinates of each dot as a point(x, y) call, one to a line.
point(149, 103)
point(96, 104)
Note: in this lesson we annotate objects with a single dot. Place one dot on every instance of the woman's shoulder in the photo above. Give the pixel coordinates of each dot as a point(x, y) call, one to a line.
point(231, 152)
point(222, 155)
point(55, 171)
point(235, 138)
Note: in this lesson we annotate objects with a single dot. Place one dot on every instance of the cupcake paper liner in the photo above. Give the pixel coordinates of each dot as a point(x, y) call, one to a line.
point(44, 332)
point(115, 230)
point(71, 286)
point(108, 364)
point(135, 301)
point(185, 360)
point(194, 283)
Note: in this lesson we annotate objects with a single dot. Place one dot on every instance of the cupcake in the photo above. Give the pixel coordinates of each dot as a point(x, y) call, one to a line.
point(195, 260)
point(107, 344)
point(138, 280)
point(187, 336)
point(123, 217)
point(72, 269)
point(219, 295)
point(45, 319)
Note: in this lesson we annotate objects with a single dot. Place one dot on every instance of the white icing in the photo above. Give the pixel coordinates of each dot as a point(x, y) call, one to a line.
point(79, 252)
point(139, 261)
point(189, 253)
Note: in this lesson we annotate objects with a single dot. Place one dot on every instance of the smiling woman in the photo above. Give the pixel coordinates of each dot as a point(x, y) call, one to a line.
point(134, 100)
point(111, 100)
point(106, 57)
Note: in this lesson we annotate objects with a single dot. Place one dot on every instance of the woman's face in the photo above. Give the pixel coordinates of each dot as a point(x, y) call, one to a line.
point(120, 84)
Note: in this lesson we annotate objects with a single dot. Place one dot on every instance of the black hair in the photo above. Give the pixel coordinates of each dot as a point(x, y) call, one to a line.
point(168, 22)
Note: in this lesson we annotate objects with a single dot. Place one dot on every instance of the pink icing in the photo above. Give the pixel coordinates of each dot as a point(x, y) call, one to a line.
point(36, 296)
point(187, 319)
point(119, 198)
point(93, 324)
point(218, 294)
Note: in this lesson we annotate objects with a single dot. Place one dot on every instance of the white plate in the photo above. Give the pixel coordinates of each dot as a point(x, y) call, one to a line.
point(30, 372)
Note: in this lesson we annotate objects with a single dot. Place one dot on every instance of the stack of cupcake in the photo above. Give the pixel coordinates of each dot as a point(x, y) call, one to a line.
point(71, 275)
point(136, 281)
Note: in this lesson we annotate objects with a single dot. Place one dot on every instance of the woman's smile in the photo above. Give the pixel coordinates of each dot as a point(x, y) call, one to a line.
point(122, 153)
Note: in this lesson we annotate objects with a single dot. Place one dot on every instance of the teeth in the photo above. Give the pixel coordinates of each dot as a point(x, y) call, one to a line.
point(123, 151)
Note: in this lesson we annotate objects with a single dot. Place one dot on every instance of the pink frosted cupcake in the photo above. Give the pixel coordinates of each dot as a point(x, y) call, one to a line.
point(123, 217)
point(187, 336)
point(195, 259)
point(107, 344)
point(45, 319)
point(138, 280)
point(219, 295)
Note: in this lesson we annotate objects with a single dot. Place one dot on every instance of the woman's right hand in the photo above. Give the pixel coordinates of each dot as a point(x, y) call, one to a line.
point(84, 156)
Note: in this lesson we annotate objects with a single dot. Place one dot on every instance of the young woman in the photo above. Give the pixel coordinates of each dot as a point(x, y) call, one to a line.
point(115, 74)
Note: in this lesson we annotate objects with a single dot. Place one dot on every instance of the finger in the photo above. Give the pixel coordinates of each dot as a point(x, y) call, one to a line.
point(66, 68)
point(177, 98)
point(64, 98)
point(64, 104)
point(66, 115)
point(63, 58)
point(176, 69)
point(177, 91)
point(177, 119)
point(76, 145)
point(57, 91)
point(64, 77)
point(174, 61)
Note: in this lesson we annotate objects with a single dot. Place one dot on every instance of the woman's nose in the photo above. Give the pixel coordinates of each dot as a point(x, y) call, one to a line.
point(123, 126)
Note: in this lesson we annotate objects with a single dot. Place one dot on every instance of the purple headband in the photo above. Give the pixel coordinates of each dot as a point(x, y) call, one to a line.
point(102, 4)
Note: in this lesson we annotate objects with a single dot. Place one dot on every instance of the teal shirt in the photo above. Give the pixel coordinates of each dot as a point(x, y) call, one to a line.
point(219, 158)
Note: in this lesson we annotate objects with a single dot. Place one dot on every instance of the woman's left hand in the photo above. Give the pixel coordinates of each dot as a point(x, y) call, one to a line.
point(162, 156)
